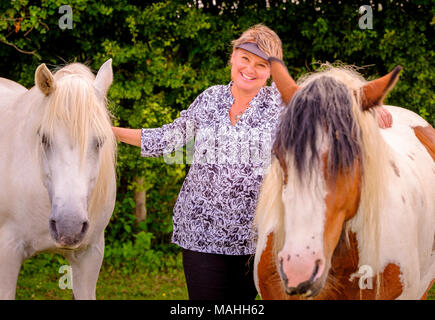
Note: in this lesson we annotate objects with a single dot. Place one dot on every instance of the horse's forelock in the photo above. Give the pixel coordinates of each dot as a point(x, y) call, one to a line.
point(74, 105)
point(74, 68)
point(322, 103)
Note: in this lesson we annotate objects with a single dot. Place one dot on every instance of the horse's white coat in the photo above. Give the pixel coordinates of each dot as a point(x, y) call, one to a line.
point(408, 218)
point(24, 201)
point(304, 218)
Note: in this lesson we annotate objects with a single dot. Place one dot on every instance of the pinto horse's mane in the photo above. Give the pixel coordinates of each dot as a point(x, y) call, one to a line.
point(75, 105)
point(322, 102)
point(325, 114)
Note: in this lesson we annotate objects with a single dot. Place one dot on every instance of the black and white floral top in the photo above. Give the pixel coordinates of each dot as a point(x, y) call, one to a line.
point(216, 205)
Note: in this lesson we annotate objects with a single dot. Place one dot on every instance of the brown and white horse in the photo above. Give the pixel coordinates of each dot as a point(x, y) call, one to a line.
point(346, 210)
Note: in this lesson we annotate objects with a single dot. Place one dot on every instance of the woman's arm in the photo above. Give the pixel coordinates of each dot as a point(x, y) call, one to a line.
point(130, 136)
point(155, 142)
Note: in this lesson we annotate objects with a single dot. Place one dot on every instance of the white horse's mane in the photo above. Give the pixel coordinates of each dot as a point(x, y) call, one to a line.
point(75, 105)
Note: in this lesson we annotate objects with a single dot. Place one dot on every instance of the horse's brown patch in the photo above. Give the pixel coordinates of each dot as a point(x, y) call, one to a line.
point(426, 135)
point(391, 285)
point(269, 281)
point(344, 263)
point(282, 162)
point(342, 201)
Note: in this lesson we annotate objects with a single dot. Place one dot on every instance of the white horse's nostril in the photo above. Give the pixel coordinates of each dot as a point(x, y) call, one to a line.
point(85, 227)
point(53, 225)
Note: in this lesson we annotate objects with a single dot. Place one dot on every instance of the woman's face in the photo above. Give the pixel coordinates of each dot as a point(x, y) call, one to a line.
point(249, 72)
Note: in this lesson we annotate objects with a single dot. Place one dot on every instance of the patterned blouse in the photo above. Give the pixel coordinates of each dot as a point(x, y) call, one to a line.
point(216, 204)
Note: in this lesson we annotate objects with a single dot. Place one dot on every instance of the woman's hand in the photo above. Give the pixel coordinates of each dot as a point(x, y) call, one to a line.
point(385, 120)
point(130, 136)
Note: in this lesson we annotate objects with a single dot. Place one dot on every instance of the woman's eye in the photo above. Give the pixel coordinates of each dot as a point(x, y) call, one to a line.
point(245, 58)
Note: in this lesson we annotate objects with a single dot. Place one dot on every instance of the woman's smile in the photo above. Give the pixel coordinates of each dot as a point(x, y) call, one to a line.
point(246, 77)
point(248, 71)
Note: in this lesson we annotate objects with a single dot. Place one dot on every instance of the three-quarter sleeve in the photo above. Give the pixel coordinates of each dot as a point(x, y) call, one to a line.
point(170, 137)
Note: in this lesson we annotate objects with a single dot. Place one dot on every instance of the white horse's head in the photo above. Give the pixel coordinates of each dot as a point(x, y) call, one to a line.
point(76, 146)
point(322, 163)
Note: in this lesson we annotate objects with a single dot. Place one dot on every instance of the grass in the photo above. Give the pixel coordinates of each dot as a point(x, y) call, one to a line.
point(39, 280)
point(112, 285)
point(169, 285)
point(431, 294)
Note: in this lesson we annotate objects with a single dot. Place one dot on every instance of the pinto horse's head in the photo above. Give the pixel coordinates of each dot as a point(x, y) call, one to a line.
point(319, 149)
point(76, 147)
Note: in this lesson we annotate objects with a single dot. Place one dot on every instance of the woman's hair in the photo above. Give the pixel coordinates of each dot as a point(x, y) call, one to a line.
point(265, 38)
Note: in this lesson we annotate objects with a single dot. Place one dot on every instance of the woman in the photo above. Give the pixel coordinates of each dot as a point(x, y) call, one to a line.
point(232, 126)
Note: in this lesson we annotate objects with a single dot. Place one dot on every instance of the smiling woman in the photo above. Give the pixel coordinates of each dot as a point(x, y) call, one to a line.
point(249, 73)
point(232, 126)
point(249, 66)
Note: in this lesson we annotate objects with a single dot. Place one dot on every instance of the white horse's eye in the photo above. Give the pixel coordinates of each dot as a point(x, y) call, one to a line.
point(45, 140)
point(99, 142)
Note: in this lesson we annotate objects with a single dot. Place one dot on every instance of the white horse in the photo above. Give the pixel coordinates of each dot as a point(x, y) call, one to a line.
point(57, 173)
point(346, 211)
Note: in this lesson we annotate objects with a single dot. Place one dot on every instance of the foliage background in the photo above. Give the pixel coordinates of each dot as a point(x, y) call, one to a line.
point(166, 52)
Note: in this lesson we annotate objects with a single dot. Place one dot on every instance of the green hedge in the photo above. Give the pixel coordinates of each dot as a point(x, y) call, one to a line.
point(166, 53)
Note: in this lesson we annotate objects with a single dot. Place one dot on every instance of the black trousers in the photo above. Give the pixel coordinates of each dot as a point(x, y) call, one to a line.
point(219, 277)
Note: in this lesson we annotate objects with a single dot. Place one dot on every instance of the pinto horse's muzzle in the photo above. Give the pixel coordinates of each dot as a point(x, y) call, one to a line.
point(308, 288)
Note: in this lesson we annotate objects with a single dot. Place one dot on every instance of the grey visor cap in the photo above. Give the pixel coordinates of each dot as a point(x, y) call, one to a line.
point(253, 48)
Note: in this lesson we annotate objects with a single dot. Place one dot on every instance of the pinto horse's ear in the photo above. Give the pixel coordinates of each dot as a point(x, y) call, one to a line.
point(284, 82)
point(44, 80)
point(104, 78)
point(374, 92)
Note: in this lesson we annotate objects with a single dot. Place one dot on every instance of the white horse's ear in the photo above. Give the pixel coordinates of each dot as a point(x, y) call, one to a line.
point(44, 80)
point(104, 78)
